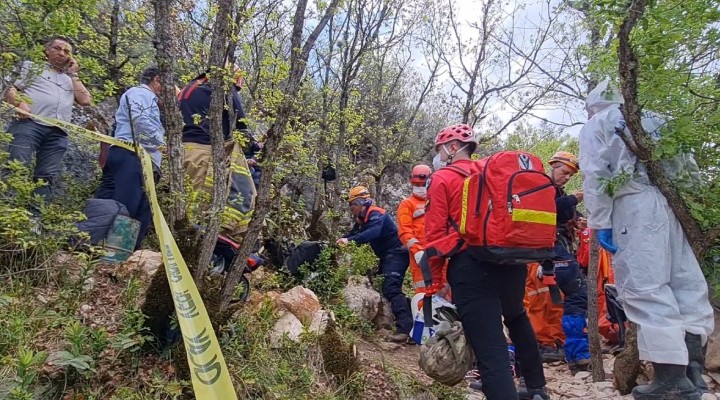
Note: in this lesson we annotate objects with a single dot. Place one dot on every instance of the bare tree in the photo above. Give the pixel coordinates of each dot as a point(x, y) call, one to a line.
point(298, 63)
point(598, 372)
point(220, 160)
point(166, 52)
point(641, 144)
point(494, 67)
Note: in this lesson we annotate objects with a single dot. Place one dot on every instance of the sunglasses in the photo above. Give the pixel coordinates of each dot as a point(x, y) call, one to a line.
point(420, 176)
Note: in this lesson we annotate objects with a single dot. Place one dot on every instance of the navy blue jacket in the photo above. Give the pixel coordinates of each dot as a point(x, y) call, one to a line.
point(566, 211)
point(380, 232)
point(194, 103)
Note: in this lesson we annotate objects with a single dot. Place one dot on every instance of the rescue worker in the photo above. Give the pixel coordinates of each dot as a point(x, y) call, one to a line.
point(377, 228)
point(194, 104)
point(545, 316)
point(658, 278)
point(605, 276)
point(411, 222)
point(567, 270)
point(483, 292)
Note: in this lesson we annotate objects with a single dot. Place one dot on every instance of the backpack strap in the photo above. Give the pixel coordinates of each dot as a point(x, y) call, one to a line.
point(371, 209)
point(458, 170)
point(187, 90)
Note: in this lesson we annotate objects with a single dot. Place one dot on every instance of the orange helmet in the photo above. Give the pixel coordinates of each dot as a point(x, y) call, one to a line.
point(566, 158)
point(358, 192)
point(420, 174)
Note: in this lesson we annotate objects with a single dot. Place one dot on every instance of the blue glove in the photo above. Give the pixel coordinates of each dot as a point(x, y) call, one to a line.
point(606, 240)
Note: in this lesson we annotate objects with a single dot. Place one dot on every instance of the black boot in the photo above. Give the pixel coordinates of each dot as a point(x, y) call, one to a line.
point(695, 368)
point(669, 382)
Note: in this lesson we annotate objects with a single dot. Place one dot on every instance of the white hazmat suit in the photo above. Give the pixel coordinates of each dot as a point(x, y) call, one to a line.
point(657, 275)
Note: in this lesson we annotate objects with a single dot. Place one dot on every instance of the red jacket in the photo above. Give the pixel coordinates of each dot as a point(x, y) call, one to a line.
point(444, 200)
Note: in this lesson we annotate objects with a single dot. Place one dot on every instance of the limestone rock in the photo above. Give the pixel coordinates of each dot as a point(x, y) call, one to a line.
point(257, 299)
point(384, 318)
point(146, 261)
point(289, 325)
point(320, 320)
point(301, 302)
point(361, 298)
point(712, 359)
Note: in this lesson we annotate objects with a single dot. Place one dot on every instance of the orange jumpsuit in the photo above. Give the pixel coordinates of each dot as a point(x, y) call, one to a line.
point(411, 228)
point(605, 275)
point(545, 316)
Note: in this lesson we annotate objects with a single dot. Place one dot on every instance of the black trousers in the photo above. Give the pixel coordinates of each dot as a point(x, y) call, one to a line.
point(483, 293)
point(122, 181)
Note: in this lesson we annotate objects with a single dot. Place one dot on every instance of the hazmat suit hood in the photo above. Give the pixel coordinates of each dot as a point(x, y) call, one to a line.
point(603, 96)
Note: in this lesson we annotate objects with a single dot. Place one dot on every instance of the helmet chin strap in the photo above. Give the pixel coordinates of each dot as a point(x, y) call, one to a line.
point(451, 156)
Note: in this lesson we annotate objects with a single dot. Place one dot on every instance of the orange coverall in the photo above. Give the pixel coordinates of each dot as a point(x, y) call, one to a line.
point(605, 275)
point(545, 316)
point(411, 228)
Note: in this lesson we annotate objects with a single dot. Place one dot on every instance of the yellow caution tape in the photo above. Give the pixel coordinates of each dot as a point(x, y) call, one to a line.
point(210, 377)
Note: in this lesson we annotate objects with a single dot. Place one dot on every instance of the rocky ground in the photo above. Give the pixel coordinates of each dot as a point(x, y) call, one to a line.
point(561, 385)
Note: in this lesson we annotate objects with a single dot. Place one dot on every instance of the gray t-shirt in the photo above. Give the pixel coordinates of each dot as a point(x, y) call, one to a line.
point(51, 92)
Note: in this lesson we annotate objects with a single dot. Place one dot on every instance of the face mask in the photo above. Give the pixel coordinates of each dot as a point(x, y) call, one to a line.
point(437, 164)
point(420, 191)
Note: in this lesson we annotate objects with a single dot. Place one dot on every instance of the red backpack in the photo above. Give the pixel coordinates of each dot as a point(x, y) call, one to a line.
point(508, 209)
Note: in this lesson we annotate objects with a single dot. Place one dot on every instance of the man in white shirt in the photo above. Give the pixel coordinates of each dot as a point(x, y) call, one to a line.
point(47, 90)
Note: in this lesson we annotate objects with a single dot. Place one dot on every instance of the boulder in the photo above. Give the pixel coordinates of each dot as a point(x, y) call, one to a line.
point(712, 359)
point(288, 325)
point(257, 299)
point(146, 261)
point(301, 302)
point(320, 321)
point(385, 318)
point(361, 298)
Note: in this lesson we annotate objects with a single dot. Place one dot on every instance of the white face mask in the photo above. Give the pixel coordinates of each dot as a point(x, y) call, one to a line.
point(420, 191)
point(437, 163)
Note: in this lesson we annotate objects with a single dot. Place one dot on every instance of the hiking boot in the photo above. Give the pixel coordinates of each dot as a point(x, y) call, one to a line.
point(696, 366)
point(551, 354)
point(580, 365)
point(670, 382)
point(402, 338)
point(531, 394)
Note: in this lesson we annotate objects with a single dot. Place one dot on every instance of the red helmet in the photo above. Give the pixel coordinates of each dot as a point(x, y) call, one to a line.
point(461, 132)
point(420, 174)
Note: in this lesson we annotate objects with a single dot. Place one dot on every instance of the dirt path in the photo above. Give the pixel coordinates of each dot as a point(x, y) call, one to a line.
point(561, 385)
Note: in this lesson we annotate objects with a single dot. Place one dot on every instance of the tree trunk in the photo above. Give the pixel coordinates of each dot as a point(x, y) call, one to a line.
point(641, 144)
point(627, 364)
point(220, 160)
point(298, 64)
point(598, 372)
point(165, 46)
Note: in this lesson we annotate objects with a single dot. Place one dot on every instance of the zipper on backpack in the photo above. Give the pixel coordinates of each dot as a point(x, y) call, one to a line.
point(487, 220)
point(529, 191)
point(533, 190)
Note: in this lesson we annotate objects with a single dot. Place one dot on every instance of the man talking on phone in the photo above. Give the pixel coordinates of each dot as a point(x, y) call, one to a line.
point(48, 90)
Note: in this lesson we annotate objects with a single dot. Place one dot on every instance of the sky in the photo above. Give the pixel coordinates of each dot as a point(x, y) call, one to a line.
point(528, 17)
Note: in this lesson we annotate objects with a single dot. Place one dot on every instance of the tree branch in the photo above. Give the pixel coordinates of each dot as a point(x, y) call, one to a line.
point(640, 142)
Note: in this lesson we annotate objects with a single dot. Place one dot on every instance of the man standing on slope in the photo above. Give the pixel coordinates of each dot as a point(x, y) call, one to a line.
point(51, 88)
point(656, 273)
point(138, 121)
point(411, 222)
point(483, 292)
